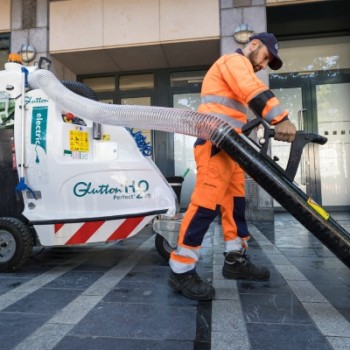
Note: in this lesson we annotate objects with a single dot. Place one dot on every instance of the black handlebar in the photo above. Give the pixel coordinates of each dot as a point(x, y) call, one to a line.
point(301, 140)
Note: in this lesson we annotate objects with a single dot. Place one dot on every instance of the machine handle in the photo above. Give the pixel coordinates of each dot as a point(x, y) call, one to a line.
point(301, 140)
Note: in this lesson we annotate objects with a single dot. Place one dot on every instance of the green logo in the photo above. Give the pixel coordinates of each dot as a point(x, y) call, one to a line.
point(132, 190)
point(39, 126)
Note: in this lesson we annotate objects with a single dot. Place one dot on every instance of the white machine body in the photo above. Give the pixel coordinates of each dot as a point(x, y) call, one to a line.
point(77, 189)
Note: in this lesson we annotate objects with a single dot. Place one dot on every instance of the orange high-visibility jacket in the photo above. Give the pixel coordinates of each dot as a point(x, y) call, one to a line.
point(231, 85)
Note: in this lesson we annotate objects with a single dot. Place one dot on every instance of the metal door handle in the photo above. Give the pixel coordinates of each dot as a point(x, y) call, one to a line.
point(303, 163)
point(301, 119)
point(305, 171)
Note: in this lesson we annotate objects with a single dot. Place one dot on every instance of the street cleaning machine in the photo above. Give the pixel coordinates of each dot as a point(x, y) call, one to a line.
point(72, 174)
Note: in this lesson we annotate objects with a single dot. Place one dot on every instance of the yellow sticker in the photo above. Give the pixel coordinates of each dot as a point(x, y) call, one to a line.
point(106, 137)
point(78, 141)
point(318, 208)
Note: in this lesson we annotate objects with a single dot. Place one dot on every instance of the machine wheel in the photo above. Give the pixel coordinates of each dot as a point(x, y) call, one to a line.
point(16, 244)
point(163, 247)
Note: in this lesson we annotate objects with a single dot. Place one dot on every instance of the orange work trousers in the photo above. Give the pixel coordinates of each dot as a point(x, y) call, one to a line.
point(220, 186)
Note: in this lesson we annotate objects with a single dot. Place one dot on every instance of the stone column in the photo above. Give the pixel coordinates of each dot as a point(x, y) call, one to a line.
point(253, 13)
point(30, 25)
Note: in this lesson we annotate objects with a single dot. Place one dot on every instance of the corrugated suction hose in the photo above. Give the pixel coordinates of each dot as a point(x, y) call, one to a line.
point(144, 117)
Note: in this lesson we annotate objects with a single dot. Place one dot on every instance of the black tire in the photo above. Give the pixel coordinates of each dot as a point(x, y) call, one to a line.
point(163, 247)
point(16, 244)
point(273, 179)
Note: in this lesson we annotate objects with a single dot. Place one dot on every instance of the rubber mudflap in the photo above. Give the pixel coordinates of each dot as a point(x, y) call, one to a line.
point(273, 180)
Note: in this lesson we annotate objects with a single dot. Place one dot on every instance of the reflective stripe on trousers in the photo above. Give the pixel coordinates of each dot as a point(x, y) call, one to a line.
point(219, 180)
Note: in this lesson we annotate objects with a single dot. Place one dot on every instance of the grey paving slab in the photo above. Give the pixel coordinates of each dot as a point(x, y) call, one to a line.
point(14, 327)
point(228, 329)
point(328, 320)
point(43, 301)
point(153, 258)
point(139, 321)
point(203, 325)
point(279, 259)
point(53, 334)
point(8, 283)
point(276, 285)
point(338, 296)
point(335, 278)
point(228, 326)
point(105, 343)
point(290, 273)
point(298, 253)
point(157, 274)
point(9, 298)
point(306, 291)
point(286, 337)
point(224, 340)
point(76, 310)
point(41, 280)
point(274, 308)
point(339, 343)
point(226, 289)
point(146, 292)
point(75, 280)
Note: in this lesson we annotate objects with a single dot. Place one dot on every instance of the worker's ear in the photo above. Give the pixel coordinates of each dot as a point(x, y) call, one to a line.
point(253, 44)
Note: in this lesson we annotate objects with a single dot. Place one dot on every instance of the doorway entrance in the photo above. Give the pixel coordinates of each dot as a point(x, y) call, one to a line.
point(318, 102)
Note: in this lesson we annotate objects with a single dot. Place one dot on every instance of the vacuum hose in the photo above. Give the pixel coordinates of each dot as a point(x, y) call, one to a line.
point(176, 120)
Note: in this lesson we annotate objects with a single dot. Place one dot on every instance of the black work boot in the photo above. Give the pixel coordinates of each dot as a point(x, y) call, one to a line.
point(191, 285)
point(238, 266)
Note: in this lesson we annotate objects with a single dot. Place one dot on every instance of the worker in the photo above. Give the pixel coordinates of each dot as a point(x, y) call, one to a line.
point(229, 87)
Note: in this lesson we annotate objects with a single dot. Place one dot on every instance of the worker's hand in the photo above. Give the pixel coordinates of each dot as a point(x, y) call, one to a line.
point(285, 131)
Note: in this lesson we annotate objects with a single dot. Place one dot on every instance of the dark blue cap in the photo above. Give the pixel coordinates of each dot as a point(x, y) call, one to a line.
point(271, 43)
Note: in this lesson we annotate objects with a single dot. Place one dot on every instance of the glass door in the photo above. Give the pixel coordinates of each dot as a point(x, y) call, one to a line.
point(319, 103)
point(333, 120)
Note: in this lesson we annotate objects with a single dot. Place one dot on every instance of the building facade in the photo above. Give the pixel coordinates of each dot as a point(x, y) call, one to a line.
point(156, 52)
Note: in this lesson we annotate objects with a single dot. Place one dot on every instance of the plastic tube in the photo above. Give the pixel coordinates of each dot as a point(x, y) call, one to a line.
point(176, 120)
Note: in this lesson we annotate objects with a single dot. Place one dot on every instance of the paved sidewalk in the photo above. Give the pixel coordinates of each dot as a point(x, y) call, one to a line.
point(306, 303)
point(112, 296)
point(115, 296)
